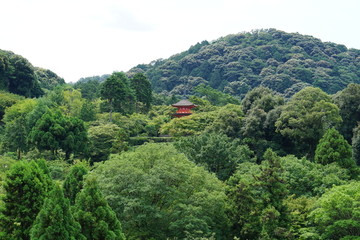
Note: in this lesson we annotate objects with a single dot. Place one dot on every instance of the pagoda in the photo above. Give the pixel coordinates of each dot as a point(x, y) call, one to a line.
point(184, 107)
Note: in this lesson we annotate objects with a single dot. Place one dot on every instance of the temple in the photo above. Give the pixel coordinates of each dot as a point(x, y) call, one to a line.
point(184, 108)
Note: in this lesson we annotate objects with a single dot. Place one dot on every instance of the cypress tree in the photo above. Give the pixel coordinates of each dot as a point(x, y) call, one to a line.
point(97, 219)
point(26, 187)
point(55, 221)
point(333, 147)
point(74, 182)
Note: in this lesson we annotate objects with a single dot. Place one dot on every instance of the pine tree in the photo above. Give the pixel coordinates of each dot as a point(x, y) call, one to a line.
point(74, 182)
point(26, 187)
point(97, 219)
point(333, 147)
point(55, 221)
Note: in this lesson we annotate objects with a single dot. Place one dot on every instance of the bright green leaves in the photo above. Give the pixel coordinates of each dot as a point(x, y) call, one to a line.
point(158, 193)
point(337, 215)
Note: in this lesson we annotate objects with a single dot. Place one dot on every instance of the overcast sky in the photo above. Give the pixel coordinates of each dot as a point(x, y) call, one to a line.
point(81, 38)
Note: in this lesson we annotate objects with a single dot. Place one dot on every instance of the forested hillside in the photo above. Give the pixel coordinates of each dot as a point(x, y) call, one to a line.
point(18, 76)
point(237, 63)
point(104, 158)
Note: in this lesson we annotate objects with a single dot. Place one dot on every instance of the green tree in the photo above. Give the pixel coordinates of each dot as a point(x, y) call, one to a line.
point(88, 112)
point(257, 196)
point(97, 219)
point(356, 145)
point(337, 213)
point(116, 90)
point(216, 152)
point(333, 147)
point(143, 91)
point(6, 100)
point(16, 126)
point(305, 118)
point(74, 182)
point(158, 193)
point(55, 220)
point(347, 100)
point(105, 139)
point(26, 187)
point(53, 131)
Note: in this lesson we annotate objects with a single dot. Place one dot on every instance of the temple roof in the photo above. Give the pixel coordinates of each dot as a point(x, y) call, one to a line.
point(183, 103)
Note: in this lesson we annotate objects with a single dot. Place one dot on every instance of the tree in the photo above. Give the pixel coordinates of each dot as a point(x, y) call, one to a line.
point(305, 118)
point(105, 139)
point(6, 100)
point(337, 213)
point(257, 195)
point(274, 217)
point(53, 131)
point(98, 221)
point(333, 147)
point(26, 187)
point(356, 145)
point(143, 91)
point(55, 220)
point(347, 100)
point(74, 182)
point(16, 126)
point(158, 193)
point(88, 112)
point(116, 90)
point(216, 152)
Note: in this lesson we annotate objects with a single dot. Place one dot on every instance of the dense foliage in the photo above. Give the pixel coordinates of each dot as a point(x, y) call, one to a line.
point(271, 150)
point(284, 62)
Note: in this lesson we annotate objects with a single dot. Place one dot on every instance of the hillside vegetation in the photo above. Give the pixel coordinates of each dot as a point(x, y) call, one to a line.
point(104, 158)
point(237, 63)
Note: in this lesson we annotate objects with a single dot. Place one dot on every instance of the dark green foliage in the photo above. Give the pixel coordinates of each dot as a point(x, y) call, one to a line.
point(74, 182)
point(143, 92)
point(87, 112)
point(348, 102)
point(90, 86)
point(26, 187)
point(356, 146)
point(48, 79)
point(333, 147)
point(55, 220)
point(216, 152)
point(272, 58)
point(53, 131)
point(116, 90)
point(158, 193)
point(98, 221)
point(17, 75)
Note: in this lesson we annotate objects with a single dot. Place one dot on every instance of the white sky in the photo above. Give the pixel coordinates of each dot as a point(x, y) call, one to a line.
point(81, 38)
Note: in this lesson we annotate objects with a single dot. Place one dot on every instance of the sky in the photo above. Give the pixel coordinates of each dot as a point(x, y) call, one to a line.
point(82, 38)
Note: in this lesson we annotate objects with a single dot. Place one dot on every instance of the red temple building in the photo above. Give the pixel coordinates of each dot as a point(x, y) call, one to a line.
point(184, 107)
